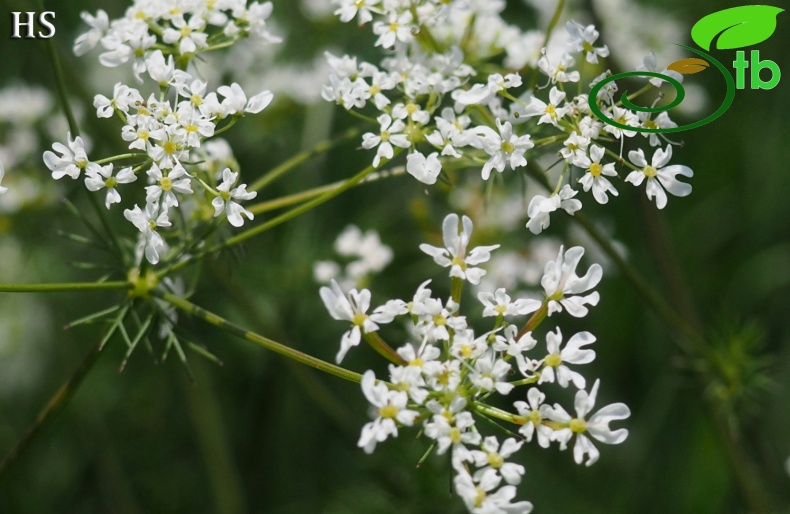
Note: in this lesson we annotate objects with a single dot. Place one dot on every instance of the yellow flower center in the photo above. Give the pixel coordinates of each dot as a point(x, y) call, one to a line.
point(595, 169)
point(495, 460)
point(110, 182)
point(577, 426)
point(650, 171)
point(166, 184)
point(553, 360)
point(551, 110)
point(169, 147)
point(507, 147)
point(388, 411)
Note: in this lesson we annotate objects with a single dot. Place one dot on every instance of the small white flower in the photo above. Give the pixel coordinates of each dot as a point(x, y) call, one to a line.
point(573, 353)
point(535, 411)
point(582, 39)
point(147, 222)
point(72, 160)
point(505, 147)
point(659, 175)
point(624, 117)
point(560, 281)
point(498, 304)
point(236, 102)
point(391, 133)
point(424, 169)
point(480, 494)
point(353, 307)
point(227, 196)
point(549, 113)
point(88, 40)
point(490, 373)
point(596, 426)
point(390, 409)
point(104, 179)
point(450, 426)
point(397, 28)
point(559, 73)
point(492, 456)
point(359, 8)
point(595, 178)
point(540, 207)
point(454, 253)
point(165, 187)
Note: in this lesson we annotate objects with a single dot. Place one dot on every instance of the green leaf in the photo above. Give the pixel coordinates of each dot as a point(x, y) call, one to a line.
point(736, 27)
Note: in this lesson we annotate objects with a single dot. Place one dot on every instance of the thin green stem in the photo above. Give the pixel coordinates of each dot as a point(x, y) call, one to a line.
point(223, 324)
point(535, 320)
point(57, 71)
point(495, 413)
point(120, 157)
point(58, 400)
point(65, 286)
point(285, 201)
point(300, 158)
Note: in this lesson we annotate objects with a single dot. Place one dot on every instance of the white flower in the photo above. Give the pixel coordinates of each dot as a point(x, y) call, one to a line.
point(147, 222)
point(390, 407)
point(480, 496)
point(575, 147)
point(597, 425)
point(559, 73)
point(490, 373)
point(434, 319)
point(624, 117)
point(504, 147)
point(450, 426)
point(391, 133)
point(535, 412)
point(549, 113)
point(165, 187)
point(492, 456)
point(560, 281)
point(454, 253)
point(517, 347)
point(595, 178)
point(353, 307)
point(189, 35)
point(359, 8)
point(225, 201)
point(582, 39)
point(573, 353)
point(236, 101)
point(484, 93)
point(658, 175)
point(72, 160)
point(540, 207)
point(88, 40)
point(95, 180)
point(661, 121)
point(397, 28)
point(498, 304)
point(424, 169)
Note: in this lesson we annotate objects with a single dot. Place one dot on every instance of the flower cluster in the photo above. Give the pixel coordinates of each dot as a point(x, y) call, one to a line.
point(184, 29)
point(427, 101)
point(446, 374)
point(168, 132)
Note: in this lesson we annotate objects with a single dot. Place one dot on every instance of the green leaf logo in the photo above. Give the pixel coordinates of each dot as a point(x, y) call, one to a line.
point(739, 26)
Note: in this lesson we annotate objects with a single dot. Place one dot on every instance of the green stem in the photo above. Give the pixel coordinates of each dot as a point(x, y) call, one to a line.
point(285, 201)
point(300, 158)
point(535, 320)
point(493, 412)
point(57, 71)
point(383, 349)
point(59, 400)
point(221, 323)
point(120, 157)
point(65, 286)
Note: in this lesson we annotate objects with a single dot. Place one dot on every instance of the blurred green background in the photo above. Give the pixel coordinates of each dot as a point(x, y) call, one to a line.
point(260, 434)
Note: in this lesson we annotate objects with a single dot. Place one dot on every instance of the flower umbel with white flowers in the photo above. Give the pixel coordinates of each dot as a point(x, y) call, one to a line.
point(443, 374)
